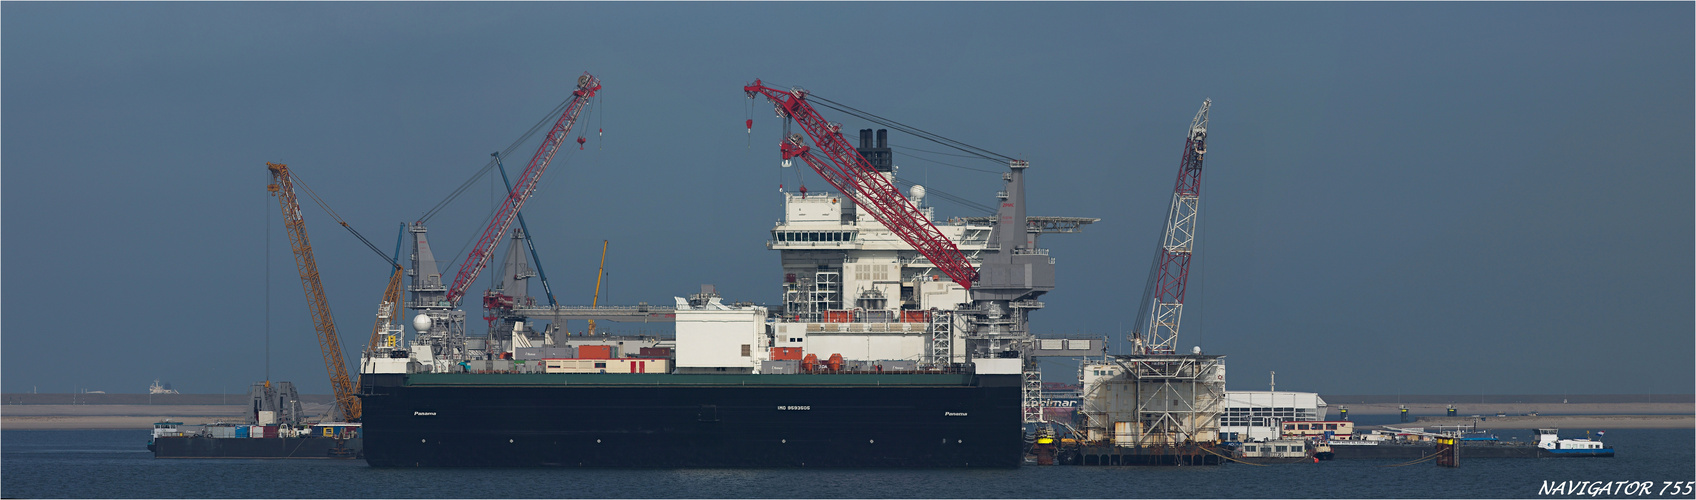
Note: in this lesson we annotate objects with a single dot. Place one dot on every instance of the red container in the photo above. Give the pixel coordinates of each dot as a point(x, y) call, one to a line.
point(785, 353)
point(270, 432)
point(594, 352)
point(836, 316)
point(655, 352)
point(914, 317)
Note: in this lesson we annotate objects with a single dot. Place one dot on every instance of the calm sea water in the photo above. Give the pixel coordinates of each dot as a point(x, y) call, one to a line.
point(116, 464)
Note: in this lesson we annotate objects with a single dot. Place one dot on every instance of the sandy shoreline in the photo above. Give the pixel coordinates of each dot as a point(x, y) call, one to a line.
point(60, 423)
point(80, 417)
point(1573, 422)
point(1491, 409)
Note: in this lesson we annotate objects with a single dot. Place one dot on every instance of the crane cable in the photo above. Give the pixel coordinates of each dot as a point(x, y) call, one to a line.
point(588, 107)
point(491, 164)
point(929, 192)
point(917, 157)
point(915, 131)
point(1423, 459)
point(295, 176)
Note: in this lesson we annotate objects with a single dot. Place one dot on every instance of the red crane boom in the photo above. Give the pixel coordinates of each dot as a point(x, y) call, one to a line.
point(1172, 271)
point(475, 261)
point(855, 177)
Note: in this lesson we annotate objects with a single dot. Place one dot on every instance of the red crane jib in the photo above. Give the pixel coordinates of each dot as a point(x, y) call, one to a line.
point(475, 261)
point(853, 176)
point(1174, 270)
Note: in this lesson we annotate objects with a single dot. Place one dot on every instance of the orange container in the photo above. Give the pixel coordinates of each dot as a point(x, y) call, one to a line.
point(594, 352)
point(836, 316)
point(913, 317)
point(785, 353)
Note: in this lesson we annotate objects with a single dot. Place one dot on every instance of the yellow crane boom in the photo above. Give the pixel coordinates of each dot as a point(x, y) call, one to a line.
point(282, 186)
point(596, 302)
point(387, 312)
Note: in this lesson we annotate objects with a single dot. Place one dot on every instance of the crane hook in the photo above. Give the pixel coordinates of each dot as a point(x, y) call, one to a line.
point(580, 142)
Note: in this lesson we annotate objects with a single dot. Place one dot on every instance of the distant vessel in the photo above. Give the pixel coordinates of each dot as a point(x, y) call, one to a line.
point(1553, 446)
point(1410, 445)
point(275, 428)
point(156, 388)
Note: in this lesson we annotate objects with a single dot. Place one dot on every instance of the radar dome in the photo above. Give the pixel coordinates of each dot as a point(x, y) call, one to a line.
point(918, 193)
point(421, 323)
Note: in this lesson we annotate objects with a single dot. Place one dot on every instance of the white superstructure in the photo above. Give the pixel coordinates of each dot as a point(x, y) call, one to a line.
point(1257, 415)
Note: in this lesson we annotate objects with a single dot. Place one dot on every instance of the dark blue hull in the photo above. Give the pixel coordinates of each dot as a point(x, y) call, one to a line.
point(560, 420)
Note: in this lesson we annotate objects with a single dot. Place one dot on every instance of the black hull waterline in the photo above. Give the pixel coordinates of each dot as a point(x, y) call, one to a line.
point(559, 420)
point(296, 447)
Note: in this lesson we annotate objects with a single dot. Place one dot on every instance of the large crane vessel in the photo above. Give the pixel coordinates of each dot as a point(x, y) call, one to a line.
point(901, 341)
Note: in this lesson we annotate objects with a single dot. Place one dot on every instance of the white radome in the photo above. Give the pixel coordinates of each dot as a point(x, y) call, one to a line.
point(918, 193)
point(421, 323)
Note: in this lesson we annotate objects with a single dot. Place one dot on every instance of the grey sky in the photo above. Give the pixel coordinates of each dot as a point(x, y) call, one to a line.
point(1400, 197)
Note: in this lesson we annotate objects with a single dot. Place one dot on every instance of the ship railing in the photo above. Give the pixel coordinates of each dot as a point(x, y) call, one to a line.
point(881, 316)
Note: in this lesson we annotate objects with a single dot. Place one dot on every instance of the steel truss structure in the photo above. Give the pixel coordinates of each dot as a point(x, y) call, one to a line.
point(1032, 403)
point(1173, 269)
point(1173, 400)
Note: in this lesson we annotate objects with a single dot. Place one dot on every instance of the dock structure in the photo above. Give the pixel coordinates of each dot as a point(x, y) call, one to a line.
point(1448, 452)
point(1154, 408)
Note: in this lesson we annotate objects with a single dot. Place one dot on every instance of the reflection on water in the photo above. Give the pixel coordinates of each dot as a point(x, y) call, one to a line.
point(116, 464)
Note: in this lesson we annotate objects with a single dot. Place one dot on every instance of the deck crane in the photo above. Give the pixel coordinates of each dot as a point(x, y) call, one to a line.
point(384, 333)
point(1172, 266)
point(587, 86)
point(850, 173)
point(282, 186)
point(498, 305)
point(599, 273)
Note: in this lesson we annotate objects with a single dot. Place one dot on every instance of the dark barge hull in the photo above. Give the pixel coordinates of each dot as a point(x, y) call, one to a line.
point(299, 447)
point(1410, 452)
point(1122, 455)
point(666, 420)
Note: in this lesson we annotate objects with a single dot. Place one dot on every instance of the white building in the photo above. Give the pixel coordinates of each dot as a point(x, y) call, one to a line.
point(716, 338)
point(1256, 415)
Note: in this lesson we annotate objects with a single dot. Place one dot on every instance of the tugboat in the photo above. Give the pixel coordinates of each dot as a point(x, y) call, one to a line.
point(1553, 446)
point(1322, 450)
